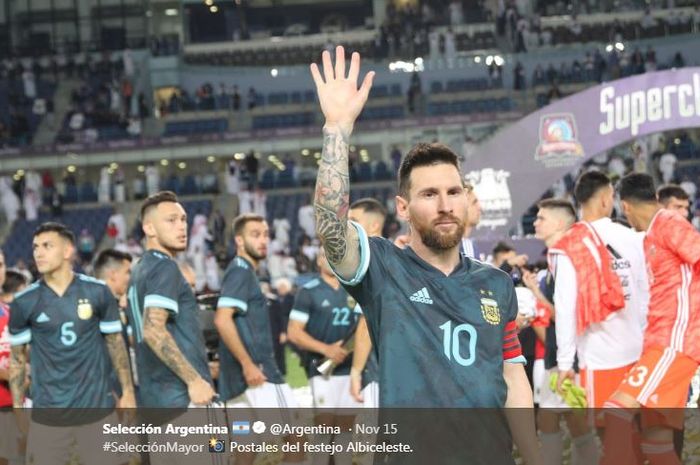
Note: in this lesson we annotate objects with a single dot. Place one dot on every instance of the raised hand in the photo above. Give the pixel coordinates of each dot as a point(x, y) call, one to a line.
point(341, 100)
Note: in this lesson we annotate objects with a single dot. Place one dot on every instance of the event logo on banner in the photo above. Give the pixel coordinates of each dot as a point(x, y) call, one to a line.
point(559, 145)
point(491, 187)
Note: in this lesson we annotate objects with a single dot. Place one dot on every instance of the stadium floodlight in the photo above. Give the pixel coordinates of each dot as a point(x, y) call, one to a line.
point(317, 155)
point(182, 165)
point(418, 61)
point(498, 59)
point(20, 173)
point(274, 72)
point(141, 168)
point(489, 60)
point(305, 152)
point(239, 156)
point(619, 46)
point(677, 141)
point(208, 2)
point(609, 48)
point(213, 8)
point(211, 158)
point(71, 168)
point(164, 162)
point(477, 59)
point(171, 12)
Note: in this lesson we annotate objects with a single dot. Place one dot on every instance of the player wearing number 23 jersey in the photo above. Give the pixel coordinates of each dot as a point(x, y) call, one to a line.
point(671, 352)
point(441, 340)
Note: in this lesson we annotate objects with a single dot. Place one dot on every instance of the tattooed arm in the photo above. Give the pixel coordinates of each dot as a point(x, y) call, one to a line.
point(18, 374)
point(341, 103)
point(120, 362)
point(161, 342)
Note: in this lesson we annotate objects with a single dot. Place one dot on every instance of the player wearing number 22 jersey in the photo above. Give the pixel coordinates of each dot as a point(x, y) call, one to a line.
point(415, 311)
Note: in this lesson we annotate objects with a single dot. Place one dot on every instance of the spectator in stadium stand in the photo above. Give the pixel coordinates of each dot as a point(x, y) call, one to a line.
point(690, 188)
point(519, 76)
point(170, 352)
point(252, 98)
point(86, 245)
point(251, 167)
point(152, 179)
point(236, 99)
point(432, 198)
point(673, 197)
point(87, 334)
point(554, 218)
point(660, 379)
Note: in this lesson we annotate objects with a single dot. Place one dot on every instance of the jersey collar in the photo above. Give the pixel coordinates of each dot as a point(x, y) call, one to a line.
point(158, 254)
point(42, 282)
point(463, 266)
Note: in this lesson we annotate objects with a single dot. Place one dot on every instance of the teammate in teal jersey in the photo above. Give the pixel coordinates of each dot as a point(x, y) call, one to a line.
point(71, 322)
point(248, 374)
point(163, 312)
point(452, 317)
point(364, 375)
point(322, 319)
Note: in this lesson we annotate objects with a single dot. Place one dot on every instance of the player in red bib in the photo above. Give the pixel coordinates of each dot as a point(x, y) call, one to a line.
point(670, 356)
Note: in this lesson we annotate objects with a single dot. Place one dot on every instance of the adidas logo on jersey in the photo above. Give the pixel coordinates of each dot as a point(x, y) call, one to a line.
point(43, 318)
point(325, 303)
point(422, 297)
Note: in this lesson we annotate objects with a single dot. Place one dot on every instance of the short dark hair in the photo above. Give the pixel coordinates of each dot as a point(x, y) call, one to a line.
point(156, 199)
point(637, 187)
point(369, 205)
point(108, 258)
point(424, 155)
point(14, 280)
point(59, 228)
point(502, 247)
point(589, 184)
point(561, 205)
point(241, 221)
point(665, 193)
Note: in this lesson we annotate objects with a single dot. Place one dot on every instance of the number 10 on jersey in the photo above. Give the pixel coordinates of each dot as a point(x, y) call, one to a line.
point(451, 342)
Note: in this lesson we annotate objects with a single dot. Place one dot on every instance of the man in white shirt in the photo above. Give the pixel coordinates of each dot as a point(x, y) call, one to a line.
point(606, 350)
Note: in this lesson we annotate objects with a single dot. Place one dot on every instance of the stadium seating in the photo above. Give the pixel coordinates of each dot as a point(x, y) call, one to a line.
point(18, 244)
point(202, 126)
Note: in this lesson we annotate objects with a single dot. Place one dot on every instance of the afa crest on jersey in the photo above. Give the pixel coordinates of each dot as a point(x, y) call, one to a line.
point(351, 302)
point(84, 309)
point(489, 309)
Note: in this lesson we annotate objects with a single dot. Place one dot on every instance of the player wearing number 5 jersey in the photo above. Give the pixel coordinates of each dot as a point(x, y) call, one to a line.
point(670, 355)
point(441, 324)
point(71, 322)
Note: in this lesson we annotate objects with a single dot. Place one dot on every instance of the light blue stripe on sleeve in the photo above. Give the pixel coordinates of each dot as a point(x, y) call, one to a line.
point(364, 258)
point(230, 302)
point(518, 359)
point(155, 300)
point(22, 338)
point(299, 316)
point(110, 327)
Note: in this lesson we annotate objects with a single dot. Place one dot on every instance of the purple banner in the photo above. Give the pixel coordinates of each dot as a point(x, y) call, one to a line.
point(519, 163)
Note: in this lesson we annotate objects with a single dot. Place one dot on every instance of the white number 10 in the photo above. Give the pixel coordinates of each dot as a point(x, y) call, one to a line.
point(450, 342)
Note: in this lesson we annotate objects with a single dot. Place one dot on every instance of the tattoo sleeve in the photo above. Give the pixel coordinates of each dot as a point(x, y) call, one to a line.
point(161, 342)
point(18, 373)
point(120, 360)
point(331, 203)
